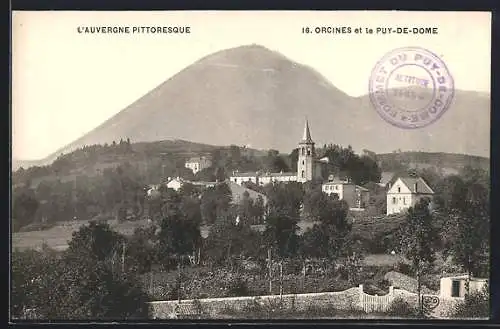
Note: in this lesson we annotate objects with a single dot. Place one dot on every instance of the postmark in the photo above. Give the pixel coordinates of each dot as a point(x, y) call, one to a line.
point(411, 87)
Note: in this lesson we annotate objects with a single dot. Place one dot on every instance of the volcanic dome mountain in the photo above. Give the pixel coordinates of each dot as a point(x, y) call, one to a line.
point(252, 95)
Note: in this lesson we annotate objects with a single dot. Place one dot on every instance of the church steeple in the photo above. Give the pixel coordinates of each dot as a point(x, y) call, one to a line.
point(305, 163)
point(306, 138)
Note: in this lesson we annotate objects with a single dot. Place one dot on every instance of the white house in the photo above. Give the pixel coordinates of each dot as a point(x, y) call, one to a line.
point(356, 196)
point(277, 177)
point(197, 164)
point(175, 183)
point(405, 193)
point(242, 177)
point(455, 286)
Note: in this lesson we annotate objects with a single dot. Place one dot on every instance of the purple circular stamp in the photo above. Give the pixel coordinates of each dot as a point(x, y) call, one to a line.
point(411, 87)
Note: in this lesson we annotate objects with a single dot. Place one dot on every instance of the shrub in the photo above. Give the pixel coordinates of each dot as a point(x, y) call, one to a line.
point(404, 268)
point(475, 305)
point(401, 308)
point(238, 288)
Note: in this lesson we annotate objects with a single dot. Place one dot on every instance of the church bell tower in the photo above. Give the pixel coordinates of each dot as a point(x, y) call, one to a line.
point(305, 164)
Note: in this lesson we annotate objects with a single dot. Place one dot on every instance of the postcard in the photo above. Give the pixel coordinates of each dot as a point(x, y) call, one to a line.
point(242, 165)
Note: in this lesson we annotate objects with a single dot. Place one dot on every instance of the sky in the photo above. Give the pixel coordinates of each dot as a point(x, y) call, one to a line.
point(66, 83)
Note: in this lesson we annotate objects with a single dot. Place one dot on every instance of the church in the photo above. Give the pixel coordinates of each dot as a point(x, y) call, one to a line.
point(308, 167)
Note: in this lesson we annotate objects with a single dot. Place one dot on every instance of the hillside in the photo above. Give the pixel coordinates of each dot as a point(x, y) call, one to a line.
point(447, 161)
point(251, 95)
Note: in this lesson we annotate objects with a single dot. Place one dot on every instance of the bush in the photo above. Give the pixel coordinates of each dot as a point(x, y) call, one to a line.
point(475, 305)
point(402, 309)
point(404, 268)
point(238, 288)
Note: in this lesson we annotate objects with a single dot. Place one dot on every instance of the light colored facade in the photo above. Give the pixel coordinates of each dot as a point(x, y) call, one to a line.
point(455, 286)
point(305, 163)
point(240, 178)
point(267, 178)
point(406, 192)
point(356, 196)
point(175, 183)
point(197, 164)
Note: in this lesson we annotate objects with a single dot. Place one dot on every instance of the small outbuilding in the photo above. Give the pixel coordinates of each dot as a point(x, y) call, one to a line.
point(455, 286)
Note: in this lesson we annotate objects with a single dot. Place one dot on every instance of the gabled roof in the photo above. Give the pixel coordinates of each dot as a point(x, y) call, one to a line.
point(244, 174)
point(362, 188)
point(421, 185)
point(279, 174)
point(197, 159)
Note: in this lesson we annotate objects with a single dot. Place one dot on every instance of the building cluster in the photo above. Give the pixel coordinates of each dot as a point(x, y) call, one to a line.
point(405, 192)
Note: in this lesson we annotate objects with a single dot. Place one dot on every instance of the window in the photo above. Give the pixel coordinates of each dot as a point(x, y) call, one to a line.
point(308, 151)
point(303, 151)
point(399, 189)
point(394, 200)
point(404, 200)
point(455, 288)
point(303, 174)
point(236, 180)
point(303, 162)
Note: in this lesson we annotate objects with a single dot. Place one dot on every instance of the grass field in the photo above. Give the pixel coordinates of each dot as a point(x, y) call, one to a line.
point(57, 237)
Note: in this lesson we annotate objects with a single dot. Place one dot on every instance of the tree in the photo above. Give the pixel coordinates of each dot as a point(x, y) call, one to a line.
point(82, 282)
point(293, 158)
point(314, 201)
point(96, 241)
point(418, 241)
point(178, 237)
point(142, 252)
point(274, 162)
point(469, 232)
point(228, 239)
point(24, 208)
point(284, 202)
point(451, 193)
point(215, 202)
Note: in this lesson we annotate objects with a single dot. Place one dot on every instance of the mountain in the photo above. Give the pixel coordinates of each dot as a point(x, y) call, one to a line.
point(252, 95)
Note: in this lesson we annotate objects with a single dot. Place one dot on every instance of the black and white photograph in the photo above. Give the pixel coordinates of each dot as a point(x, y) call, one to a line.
point(250, 165)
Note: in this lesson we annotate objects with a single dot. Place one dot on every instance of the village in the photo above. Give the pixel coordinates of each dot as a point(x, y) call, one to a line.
point(401, 193)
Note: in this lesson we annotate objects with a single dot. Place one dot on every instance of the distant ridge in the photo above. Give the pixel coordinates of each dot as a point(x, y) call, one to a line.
point(252, 95)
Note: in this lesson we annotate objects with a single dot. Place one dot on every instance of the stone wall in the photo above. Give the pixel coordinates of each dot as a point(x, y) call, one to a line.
point(350, 299)
point(346, 299)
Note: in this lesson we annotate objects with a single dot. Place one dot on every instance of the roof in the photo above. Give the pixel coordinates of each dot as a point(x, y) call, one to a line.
point(202, 183)
point(335, 182)
point(279, 174)
point(463, 276)
point(422, 187)
point(306, 137)
point(197, 159)
point(179, 179)
point(386, 177)
point(244, 174)
point(362, 188)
